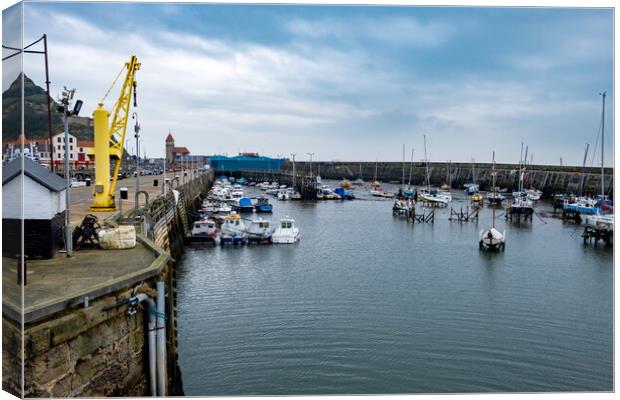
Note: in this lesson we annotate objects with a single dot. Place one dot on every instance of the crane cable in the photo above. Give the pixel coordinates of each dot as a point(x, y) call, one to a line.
point(113, 83)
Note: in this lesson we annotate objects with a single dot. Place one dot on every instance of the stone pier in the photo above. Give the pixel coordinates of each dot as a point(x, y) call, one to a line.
point(79, 339)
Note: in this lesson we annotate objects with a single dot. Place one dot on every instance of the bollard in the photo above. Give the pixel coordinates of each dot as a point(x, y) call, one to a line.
point(87, 181)
point(155, 182)
point(124, 196)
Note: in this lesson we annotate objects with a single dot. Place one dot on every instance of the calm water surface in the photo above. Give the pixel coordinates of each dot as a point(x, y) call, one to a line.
point(366, 303)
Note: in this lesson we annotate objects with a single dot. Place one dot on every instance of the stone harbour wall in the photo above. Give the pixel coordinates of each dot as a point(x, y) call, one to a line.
point(88, 352)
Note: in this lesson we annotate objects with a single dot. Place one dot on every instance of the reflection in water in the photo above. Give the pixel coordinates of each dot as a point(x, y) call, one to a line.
point(366, 303)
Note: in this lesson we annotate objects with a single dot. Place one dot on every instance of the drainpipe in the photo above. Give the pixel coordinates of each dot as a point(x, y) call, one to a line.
point(134, 301)
point(161, 340)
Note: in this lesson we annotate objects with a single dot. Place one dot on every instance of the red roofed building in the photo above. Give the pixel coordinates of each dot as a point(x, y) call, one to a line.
point(173, 153)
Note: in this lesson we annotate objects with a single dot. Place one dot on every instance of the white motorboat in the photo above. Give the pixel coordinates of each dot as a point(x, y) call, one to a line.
point(533, 194)
point(204, 230)
point(286, 232)
point(603, 222)
point(233, 230)
point(224, 209)
point(434, 198)
point(259, 230)
point(283, 194)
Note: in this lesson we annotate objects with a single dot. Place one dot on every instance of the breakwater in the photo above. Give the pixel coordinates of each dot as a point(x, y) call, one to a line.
point(544, 177)
point(82, 336)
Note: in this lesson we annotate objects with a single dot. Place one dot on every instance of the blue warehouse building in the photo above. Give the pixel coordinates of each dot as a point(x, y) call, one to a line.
point(246, 163)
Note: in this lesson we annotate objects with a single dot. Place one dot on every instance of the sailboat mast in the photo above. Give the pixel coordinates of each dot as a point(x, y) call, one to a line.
point(428, 179)
point(603, 148)
point(402, 183)
point(376, 164)
point(410, 168)
point(493, 173)
point(523, 170)
point(583, 170)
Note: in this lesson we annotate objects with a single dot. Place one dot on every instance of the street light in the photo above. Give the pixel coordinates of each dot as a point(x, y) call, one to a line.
point(136, 129)
point(65, 98)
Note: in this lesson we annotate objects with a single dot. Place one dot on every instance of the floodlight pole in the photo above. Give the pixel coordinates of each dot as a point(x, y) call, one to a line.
point(136, 129)
point(49, 109)
point(68, 234)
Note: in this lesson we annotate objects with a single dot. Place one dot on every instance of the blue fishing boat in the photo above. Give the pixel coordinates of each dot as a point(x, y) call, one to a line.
point(345, 194)
point(242, 181)
point(262, 205)
point(243, 205)
point(409, 192)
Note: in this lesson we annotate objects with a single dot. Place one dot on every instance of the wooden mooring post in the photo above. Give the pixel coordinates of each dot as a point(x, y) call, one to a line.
point(518, 214)
point(464, 216)
point(424, 217)
point(595, 235)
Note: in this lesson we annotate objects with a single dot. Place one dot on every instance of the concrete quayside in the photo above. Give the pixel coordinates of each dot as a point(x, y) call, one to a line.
point(85, 317)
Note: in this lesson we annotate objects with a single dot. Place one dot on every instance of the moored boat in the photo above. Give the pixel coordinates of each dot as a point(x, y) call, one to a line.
point(492, 240)
point(233, 230)
point(259, 231)
point(286, 232)
point(262, 205)
point(204, 230)
point(243, 205)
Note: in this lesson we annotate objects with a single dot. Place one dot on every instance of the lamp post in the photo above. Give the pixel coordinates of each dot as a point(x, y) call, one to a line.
point(136, 129)
point(64, 99)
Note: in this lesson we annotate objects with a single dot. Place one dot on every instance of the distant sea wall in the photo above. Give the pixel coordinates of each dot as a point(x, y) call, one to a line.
point(544, 177)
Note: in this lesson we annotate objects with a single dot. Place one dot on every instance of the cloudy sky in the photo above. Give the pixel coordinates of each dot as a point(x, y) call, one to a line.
point(346, 83)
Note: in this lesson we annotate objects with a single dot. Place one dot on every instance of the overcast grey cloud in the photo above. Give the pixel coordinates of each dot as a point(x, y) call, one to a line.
point(343, 86)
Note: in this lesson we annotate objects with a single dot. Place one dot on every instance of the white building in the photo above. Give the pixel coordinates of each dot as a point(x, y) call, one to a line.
point(58, 144)
point(38, 196)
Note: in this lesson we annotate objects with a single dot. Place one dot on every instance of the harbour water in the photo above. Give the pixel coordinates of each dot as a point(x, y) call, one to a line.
point(367, 303)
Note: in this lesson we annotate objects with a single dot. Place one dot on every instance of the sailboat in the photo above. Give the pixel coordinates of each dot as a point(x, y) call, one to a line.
point(604, 218)
point(472, 187)
point(494, 197)
point(406, 191)
point(582, 204)
point(432, 197)
point(492, 239)
point(359, 181)
point(409, 191)
point(375, 186)
point(521, 204)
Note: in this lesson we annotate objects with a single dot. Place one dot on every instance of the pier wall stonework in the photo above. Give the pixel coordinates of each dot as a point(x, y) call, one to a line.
point(87, 352)
point(544, 177)
point(100, 350)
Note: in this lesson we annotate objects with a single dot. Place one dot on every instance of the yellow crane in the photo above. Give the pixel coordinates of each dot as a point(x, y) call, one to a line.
point(110, 138)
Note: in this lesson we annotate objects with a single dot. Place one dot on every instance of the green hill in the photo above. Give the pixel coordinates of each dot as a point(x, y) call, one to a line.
point(35, 114)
